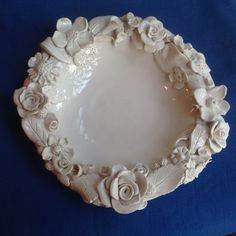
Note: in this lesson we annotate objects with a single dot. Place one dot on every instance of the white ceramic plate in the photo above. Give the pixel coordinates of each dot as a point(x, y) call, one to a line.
point(121, 110)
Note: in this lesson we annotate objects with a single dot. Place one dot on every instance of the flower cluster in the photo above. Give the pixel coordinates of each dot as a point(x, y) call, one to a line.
point(147, 34)
point(194, 167)
point(178, 77)
point(59, 157)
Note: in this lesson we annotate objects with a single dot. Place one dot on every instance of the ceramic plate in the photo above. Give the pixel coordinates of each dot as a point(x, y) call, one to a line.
point(121, 110)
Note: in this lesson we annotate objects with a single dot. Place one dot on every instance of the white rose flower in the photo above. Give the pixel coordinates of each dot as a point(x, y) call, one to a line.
point(152, 34)
point(132, 20)
point(29, 100)
point(123, 190)
point(218, 135)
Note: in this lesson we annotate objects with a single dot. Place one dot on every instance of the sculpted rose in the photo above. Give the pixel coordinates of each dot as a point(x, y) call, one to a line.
point(29, 100)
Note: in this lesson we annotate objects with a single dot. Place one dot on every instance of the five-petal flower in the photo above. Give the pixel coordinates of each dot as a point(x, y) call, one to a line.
point(211, 102)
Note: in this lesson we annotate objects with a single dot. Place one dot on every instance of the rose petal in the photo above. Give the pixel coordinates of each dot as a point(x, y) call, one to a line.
point(221, 142)
point(213, 127)
point(135, 199)
point(200, 96)
point(142, 183)
point(22, 113)
point(224, 107)
point(142, 205)
point(117, 168)
point(148, 41)
point(17, 94)
point(152, 20)
point(124, 209)
point(214, 147)
point(64, 24)
point(143, 26)
point(160, 45)
point(104, 197)
point(59, 39)
point(114, 189)
point(127, 173)
point(126, 180)
point(218, 92)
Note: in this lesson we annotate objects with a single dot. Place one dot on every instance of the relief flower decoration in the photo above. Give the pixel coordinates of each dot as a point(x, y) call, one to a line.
point(70, 36)
point(178, 77)
point(30, 100)
point(211, 102)
point(179, 43)
point(43, 68)
point(141, 168)
point(194, 167)
point(132, 21)
point(123, 190)
point(60, 157)
point(218, 134)
point(198, 63)
point(116, 29)
point(180, 153)
point(152, 34)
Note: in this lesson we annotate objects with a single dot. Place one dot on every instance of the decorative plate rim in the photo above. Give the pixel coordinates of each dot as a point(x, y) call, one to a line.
point(125, 190)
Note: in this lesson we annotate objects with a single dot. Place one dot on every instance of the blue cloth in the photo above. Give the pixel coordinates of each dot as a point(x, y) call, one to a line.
point(33, 203)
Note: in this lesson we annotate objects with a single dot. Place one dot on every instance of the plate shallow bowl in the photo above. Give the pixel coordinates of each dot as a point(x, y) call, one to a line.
point(121, 110)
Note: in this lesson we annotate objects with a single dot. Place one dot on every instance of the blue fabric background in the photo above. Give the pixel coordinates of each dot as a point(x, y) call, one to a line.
point(33, 203)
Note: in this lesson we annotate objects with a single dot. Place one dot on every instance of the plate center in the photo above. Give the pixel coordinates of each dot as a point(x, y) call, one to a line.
point(127, 111)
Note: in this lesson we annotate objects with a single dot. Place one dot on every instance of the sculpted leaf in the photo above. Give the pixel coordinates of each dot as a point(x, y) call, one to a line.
point(164, 180)
point(198, 137)
point(86, 186)
point(98, 24)
point(195, 81)
point(35, 131)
